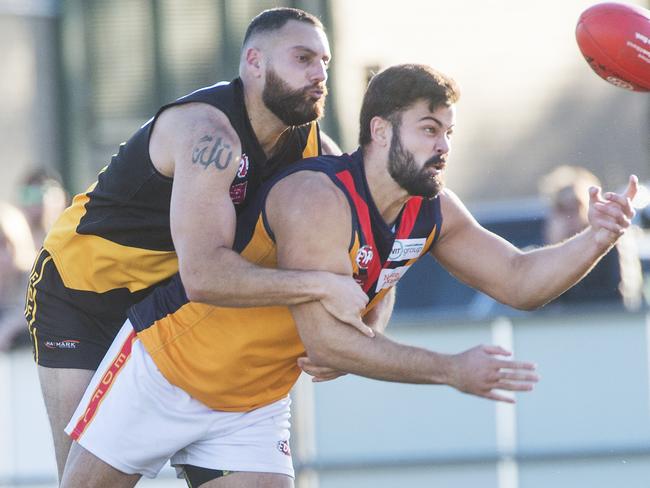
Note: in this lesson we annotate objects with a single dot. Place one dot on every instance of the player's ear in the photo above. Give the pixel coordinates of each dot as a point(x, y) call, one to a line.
point(381, 131)
point(253, 58)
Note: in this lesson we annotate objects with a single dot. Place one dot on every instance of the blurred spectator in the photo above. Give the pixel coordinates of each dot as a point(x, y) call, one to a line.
point(617, 277)
point(42, 199)
point(17, 253)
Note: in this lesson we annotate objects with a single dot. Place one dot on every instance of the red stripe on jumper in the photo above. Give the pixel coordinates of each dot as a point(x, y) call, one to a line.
point(409, 217)
point(104, 386)
point(374, 267)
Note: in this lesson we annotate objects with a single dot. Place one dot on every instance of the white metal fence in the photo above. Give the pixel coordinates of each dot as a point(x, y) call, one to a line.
point(586, 423)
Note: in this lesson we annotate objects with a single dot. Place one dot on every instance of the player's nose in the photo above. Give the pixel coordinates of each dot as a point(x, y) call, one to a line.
point(318, 73)
point(443, 146)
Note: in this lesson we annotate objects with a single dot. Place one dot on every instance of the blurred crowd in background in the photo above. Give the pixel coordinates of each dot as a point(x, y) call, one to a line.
point(40, 200)
point(617, 278)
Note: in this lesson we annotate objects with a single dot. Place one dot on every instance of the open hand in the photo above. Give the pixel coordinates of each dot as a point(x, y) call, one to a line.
point(610, 214)
point(478, 371)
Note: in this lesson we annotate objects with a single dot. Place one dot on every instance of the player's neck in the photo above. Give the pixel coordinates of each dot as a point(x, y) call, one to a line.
point(388, 196)
point(267, 127)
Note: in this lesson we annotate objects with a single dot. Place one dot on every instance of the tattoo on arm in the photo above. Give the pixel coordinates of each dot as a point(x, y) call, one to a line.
point(210, 151)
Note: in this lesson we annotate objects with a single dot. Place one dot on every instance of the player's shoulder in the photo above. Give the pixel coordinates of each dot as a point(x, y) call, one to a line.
point(450, 201)
point(193, 116)
point(447, 194)
point(189, 125)
point(307, 196)
point(328, 145)
point(455, 215)
point(309, 188)
point(309, 202)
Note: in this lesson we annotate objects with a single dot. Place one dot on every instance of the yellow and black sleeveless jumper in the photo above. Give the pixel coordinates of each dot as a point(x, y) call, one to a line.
point(113, 244)
point(238, 359)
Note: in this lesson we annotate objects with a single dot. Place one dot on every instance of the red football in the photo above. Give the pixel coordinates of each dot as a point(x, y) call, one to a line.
point(614, 38)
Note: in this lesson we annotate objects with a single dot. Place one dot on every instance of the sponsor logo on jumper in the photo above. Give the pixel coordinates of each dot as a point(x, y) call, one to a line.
point(283, 447)
point(64, 344)
point(405, 249)
point(389, 277)
point(243, 167)
point(361, 277)
point(364, 256)
point(238, 192)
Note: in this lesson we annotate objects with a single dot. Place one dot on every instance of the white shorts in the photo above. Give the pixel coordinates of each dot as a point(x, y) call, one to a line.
point(132, 418)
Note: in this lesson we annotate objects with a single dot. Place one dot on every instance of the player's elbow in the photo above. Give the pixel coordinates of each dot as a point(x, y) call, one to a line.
point(521, 291)
point(526, 301)
point(318, 356)
point(528, 305)
point(194, 292)
point(322, 354)
point(193, 283)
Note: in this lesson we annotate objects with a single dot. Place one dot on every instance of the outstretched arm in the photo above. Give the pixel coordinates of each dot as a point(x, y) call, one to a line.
point(196, 144)
point(308, 237)
point(528, 280)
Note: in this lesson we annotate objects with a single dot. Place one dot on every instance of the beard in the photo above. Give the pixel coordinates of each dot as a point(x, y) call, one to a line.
point(406, 173)
point(292, 107)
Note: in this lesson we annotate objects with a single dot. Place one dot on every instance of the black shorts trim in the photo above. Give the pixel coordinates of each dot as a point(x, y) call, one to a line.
point(62, 334)
point(195, 476)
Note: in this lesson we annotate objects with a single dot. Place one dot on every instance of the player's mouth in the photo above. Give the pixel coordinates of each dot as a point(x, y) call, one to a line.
point(316, 93)
point(436, 168)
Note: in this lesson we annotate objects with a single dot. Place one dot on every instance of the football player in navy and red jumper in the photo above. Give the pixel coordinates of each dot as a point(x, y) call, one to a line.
point(369, 215)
